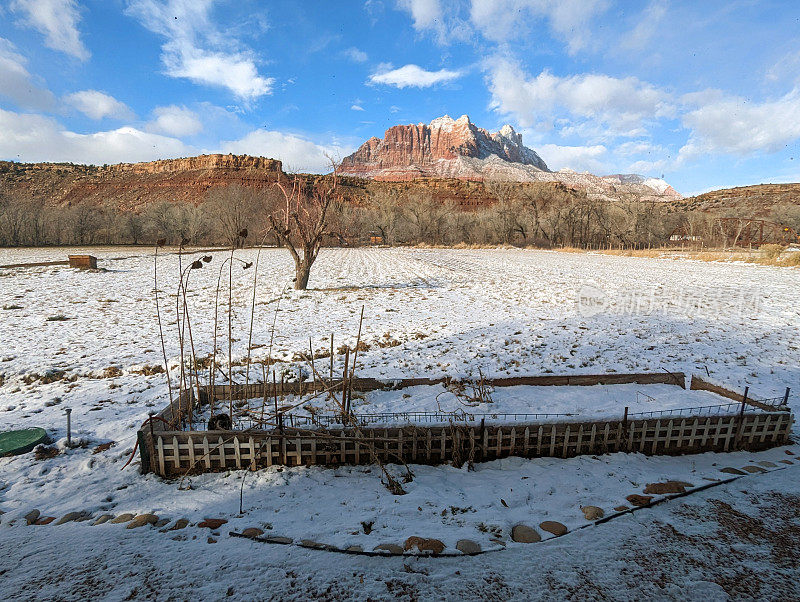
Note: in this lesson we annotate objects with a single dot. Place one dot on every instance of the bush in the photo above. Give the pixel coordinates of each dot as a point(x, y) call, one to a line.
point(772, 252)
point(792, 258)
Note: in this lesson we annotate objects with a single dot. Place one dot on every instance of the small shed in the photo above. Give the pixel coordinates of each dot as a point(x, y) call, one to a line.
point(83, 261)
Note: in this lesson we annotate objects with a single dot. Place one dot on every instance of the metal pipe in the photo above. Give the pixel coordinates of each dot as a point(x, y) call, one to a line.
point(69, 426)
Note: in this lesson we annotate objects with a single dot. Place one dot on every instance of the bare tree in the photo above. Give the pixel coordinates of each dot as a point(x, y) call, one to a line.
point(301, 223)
point(233, 209)
point(383, 213)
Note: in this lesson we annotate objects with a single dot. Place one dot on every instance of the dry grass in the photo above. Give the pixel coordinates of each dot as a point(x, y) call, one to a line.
point(772, 255)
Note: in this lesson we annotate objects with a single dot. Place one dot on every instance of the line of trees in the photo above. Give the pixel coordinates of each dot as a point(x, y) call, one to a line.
point(546, 217)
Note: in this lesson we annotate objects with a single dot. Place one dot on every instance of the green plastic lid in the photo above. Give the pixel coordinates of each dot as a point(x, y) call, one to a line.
point(13, 443)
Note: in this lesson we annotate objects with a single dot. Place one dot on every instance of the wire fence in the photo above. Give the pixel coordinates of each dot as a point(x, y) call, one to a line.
point(463, 417)
point(775, 402)
point(714, 410)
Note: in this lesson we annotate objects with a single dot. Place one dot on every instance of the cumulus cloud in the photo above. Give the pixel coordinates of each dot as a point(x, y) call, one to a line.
point(424, 12)
point(617, 105)
point(16, 82)
point(31, 137)
point(504, 20)
point(58, 21)
point(98, 105)
point(412, 76)
point(296, 152)
point(175, 121)
point(197, 51)
point(738, 126)
point(578, 158)
point(356, 108)
point(440, 17)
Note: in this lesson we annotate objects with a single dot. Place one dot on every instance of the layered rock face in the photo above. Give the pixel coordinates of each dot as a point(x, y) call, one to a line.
point(448, 148)
point(200, 162)
point(133, 186)
point(430, 150)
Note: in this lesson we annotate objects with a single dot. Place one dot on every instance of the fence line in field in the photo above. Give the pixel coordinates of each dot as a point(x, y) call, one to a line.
point(173, 453)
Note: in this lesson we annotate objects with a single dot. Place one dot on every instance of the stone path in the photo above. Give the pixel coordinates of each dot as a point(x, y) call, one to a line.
point(652, 493)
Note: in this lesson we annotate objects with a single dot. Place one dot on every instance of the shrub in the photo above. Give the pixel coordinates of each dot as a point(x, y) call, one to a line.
point(772, 252)
point(792, 258)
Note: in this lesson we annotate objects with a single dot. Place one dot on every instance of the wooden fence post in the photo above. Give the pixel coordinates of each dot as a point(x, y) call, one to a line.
point(740, 421)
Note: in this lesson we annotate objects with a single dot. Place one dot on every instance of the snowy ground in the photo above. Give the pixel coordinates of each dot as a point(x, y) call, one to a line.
point(440, 404)
point(427, 313)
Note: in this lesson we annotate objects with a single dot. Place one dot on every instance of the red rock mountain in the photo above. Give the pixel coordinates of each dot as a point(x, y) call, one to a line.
point(457, 148)
point(433, 150)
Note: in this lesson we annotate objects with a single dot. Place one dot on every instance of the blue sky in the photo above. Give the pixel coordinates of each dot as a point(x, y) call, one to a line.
point(706, 94)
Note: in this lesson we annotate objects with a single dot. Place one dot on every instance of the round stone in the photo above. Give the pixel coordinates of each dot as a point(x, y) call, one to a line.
point(592, 512)
point(391, 548)
point(525, 534)
point(424, 545)
point(141, 520)
point(69, 517)
point(729, 470)
point(122, 518)
point(639, 500)
point(667, 487)
point(467, 546)
point(103, 518)
point(32, 516)
point(553, 527)
point(181, 523)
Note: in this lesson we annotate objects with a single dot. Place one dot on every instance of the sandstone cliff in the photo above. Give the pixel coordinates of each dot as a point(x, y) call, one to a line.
point(756, 200)
point(448, 148)
point(131, 186)
point(428, 150)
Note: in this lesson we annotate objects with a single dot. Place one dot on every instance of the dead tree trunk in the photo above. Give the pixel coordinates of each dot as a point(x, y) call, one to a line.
point(301, 225)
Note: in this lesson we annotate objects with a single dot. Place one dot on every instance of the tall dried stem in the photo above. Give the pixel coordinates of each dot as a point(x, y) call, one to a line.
point(160, 327)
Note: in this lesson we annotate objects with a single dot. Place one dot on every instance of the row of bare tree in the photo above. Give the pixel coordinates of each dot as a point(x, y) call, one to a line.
point(309, 214)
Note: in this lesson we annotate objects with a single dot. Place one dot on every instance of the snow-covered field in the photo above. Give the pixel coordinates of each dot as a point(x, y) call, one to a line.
point(426, 313)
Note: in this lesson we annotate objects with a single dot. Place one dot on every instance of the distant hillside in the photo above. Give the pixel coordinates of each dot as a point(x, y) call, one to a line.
point(135, 186)
point(754, 200)
point(132, 186)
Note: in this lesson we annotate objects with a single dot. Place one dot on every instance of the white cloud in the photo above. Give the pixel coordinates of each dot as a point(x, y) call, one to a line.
point(356, 55)
point(356, 108)
point(98, 105)
point(738, 126)
point(58, 21)
point(296, 153)
point(593, 102)
point(197, 51)
point(639, 147)
point(424, 12)
point(646, 28)
point(504, 20)
point(579, 158)
point(16, 83)
point(30, 137)
point(786, 68)
point(175, 121)
point(412, 76)
point(440, 17)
